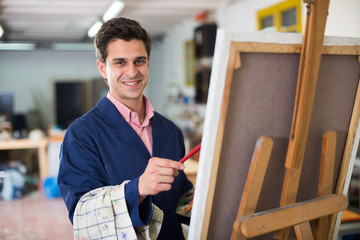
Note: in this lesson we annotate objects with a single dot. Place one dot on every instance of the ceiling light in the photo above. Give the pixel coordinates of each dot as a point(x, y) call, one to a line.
point(113, 10)
point(17, 46)
point(73, 46)
point(1, 31)
point(94, 29)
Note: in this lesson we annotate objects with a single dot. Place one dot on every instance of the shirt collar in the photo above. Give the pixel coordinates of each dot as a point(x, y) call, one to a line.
point(131, 116)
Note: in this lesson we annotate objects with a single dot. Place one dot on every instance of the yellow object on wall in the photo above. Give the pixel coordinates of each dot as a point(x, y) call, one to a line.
point(282, 17)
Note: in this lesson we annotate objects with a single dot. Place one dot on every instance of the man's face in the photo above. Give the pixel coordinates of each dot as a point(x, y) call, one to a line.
point(126, 69)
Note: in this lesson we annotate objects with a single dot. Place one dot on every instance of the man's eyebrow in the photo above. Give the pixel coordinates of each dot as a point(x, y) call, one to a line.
point(118, 59)
point(141, 58)
point(124, 59)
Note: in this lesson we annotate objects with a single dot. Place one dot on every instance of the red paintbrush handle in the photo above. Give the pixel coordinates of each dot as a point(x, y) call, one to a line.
point(192, 152)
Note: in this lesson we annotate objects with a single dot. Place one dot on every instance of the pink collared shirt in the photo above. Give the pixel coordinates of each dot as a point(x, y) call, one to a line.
point(144, 130)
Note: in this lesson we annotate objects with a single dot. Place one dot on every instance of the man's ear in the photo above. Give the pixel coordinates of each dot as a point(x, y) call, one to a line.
point(102, 68)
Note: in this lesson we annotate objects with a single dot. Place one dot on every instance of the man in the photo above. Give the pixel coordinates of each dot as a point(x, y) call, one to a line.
point(123, 139)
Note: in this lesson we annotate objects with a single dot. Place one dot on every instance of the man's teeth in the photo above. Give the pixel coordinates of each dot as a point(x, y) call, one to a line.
point(131, 83)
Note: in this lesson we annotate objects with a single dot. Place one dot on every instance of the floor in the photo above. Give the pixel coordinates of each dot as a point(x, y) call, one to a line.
point(34, 216)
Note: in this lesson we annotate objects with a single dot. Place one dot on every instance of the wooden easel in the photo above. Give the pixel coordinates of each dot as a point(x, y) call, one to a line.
point(252, 94)
point(248, 224)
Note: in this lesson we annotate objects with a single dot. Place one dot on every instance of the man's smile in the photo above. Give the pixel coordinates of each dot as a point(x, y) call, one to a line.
point(132, 83)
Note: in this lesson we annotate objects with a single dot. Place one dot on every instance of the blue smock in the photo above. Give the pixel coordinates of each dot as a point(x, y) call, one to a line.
point(101, 149)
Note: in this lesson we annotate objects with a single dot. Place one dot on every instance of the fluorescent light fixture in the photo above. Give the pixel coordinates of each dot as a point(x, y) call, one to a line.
point(113, 10)
point(17, 46)
point(94, 29)
point(73, 46)
point(1, 31)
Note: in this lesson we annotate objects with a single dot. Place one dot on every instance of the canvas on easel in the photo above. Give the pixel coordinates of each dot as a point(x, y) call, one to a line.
point(252, 91)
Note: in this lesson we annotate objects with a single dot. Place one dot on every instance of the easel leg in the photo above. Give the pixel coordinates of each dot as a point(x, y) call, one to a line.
point(303, 231)
point(254, 182)
point(326, 180)
point(307, 79)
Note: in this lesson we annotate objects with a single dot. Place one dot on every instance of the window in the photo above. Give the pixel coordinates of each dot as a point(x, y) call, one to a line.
point(282, 17)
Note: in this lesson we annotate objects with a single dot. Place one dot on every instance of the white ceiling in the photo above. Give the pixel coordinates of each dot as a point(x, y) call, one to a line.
point(69, 20)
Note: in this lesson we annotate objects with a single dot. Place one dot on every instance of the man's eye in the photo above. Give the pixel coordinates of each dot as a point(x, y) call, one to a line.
point(120, 63)
point(140, 62)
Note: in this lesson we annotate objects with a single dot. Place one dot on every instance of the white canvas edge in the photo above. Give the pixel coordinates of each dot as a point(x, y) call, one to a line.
point(288, 38)
point(348, 178)
point(217, 80)
point(212, 115)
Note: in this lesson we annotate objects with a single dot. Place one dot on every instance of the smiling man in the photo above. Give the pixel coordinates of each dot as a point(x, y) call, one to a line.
point(126, 71)
point(119, 172)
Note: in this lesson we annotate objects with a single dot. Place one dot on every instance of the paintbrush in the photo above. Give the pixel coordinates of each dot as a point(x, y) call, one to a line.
point(191, 153)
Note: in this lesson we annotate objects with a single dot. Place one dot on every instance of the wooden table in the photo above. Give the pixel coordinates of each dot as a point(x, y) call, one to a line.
point(40, 144)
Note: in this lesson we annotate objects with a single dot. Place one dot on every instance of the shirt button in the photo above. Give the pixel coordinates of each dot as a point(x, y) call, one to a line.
point(133, 115)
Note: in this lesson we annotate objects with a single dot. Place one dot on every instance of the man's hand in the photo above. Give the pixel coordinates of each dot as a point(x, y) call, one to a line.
point(158, 176)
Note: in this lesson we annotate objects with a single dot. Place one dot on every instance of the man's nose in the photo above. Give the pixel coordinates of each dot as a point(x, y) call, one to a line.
point(131, 70)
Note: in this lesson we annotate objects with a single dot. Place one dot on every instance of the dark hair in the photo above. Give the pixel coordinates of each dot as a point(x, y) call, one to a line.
point(119, 28)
